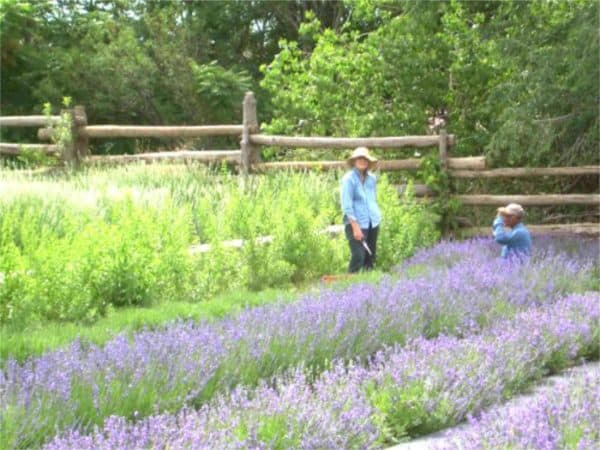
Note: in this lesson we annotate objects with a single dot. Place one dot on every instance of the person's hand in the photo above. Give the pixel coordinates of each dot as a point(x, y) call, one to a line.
point(357, 232)
point(499, 215)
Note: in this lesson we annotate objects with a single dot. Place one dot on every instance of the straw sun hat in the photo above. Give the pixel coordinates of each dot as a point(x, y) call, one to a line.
point(361, 152)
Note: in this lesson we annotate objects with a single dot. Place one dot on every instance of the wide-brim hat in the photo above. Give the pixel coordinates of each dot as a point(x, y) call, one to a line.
point(361, 152)
point(512, 209)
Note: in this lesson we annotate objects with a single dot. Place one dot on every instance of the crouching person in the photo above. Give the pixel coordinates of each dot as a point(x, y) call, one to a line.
point(510, 232)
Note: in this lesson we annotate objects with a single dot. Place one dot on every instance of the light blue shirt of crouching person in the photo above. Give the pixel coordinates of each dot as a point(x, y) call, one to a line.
point(359, 200)
point(515, 240)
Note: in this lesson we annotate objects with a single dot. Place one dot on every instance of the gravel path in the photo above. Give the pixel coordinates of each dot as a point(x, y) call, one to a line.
point(427, 442)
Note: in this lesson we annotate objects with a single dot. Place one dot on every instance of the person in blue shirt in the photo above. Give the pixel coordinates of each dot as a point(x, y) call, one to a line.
point(510, 232)
point(361, 212)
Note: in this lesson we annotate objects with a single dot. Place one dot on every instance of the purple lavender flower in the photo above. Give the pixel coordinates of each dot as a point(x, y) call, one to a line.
point(187, 364)
point(425, 386)
point(565, 414)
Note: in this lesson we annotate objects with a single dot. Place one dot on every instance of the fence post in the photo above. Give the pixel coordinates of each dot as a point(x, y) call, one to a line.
point(443, 136)
point(80, 139)
point(249, 155)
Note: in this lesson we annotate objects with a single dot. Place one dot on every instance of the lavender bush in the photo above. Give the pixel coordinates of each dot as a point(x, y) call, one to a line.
point(187, 363)
point(425, 386)
point(435, 384)
point(450, 253)
point(563, 417)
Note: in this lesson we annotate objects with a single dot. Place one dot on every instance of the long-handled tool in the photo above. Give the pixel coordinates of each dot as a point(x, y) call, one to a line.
point(366, 247)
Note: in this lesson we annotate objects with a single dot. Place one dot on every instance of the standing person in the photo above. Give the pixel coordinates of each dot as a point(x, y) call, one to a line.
point(361, 212)
point(516, 239)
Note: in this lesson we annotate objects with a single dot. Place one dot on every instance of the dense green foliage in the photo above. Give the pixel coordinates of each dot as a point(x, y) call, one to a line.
point(70, 249)
point(154, 62)
point(519, 80)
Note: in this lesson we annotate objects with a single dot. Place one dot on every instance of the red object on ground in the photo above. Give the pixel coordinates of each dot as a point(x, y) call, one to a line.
point(333, 278)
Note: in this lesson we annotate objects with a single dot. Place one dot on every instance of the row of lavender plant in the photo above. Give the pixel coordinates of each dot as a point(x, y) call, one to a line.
point(567, 416)
point(425, 386)
point(187, 363)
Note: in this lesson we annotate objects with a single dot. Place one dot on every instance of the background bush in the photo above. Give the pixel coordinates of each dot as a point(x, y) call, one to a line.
point(71, 248)
point(61, 262)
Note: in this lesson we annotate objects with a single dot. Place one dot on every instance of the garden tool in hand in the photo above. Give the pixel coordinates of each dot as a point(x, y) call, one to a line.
point(366, 246)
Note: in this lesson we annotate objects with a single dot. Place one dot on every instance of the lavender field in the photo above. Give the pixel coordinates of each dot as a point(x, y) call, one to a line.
point(453, 331)
point(564, 414)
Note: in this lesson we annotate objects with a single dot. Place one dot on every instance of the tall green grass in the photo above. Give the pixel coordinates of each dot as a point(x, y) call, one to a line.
point(75, 244)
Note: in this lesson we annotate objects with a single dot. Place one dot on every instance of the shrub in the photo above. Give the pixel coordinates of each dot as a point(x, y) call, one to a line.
point(72, 247)
point(74, 267)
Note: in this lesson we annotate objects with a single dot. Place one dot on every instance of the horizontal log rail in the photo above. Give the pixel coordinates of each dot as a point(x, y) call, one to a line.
point(332, 230)
point(420, 190)
point(589, 228)
point(134, 131)
point(538, 200)
point(215, 156)
point(348, 143)
point(233, 243)
point(299, 165)
point(28, 121)
point(16, 149)
point(508, 172)
point(470, 162)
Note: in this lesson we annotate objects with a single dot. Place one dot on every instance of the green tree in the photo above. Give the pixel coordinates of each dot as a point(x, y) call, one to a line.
point(154, 62)
point(520, 79)
point(547, 102)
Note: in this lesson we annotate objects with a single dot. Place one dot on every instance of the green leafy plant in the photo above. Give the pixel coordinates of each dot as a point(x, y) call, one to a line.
point(73, 248)
point(398, 410)
point(219, 87)
point(62, 133)
point(30, 157)
point(407, 225)
point(438, 180)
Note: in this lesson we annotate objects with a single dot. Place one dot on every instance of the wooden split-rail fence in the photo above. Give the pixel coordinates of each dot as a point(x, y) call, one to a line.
point(77, 151)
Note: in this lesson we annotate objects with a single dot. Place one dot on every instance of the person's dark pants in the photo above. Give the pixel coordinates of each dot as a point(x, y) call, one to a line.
point(360, 258)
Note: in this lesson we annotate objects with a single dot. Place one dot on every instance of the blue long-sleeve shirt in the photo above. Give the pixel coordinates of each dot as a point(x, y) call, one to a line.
point(515, 241)
point(359, 199)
